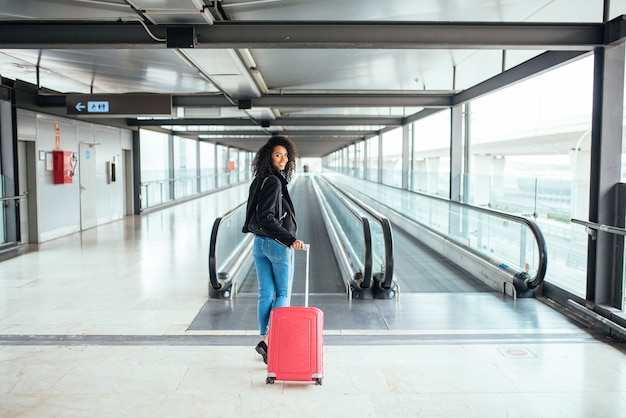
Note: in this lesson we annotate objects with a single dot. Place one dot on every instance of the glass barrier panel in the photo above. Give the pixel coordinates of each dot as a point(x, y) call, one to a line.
point(378, 244)
point(154, 193)
point(207, 183)
point(229, 238)
point(498, 240)
point(222, 179)
point(350, 230)
point(185, 186)
point(504, 242)
point(551, 202)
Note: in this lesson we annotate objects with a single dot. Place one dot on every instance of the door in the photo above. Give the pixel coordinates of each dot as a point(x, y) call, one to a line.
point(127, 167)
point(25, 164)
point(87, 170)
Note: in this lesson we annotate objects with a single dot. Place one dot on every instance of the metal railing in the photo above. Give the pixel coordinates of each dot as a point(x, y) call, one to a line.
point(604, 318)
point(592, 228)
point(159, 192)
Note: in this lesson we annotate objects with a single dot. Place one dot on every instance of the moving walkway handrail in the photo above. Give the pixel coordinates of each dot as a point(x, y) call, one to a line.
point(362, 279)
point(214, 280)
point(387, 281)
point(521, 280)
point(356, 264)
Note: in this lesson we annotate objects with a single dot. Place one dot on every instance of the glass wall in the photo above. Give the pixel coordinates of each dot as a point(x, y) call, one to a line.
point(233, 166)
point(359, 159)
point(155, 173)
point(243, 166)
point(352, 162)
point(207, 166)
point(223, 172)
point(530, 155)
point(392, 157)
point(335, 161)
point(372, 159)
point(185, 167)
point(176, 167)
point(430, 156)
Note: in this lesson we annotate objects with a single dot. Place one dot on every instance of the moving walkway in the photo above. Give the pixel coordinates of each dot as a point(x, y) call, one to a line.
point(496, 251)
point(440, 246)
point(352, 248)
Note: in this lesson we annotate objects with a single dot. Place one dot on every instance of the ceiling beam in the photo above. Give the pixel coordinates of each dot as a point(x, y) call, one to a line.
point(531, 68)
point(354, 34)
point(314, 133)
point(389, 99)
point(386, 99)
point(291, 121)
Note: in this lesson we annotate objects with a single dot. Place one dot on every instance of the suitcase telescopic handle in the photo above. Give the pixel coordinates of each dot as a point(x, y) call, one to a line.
point(306, 277)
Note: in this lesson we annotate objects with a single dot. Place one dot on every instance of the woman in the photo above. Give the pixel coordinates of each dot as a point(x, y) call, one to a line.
point(275, 228)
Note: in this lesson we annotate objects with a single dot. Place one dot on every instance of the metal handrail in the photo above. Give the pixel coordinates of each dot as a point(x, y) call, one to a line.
point(599, 227)
point(10, 198)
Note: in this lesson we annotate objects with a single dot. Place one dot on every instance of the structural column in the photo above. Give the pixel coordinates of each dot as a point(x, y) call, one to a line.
point(137, 195)
point(604, 272)
point(381, 156)
point(456, 152)
point(406, 139)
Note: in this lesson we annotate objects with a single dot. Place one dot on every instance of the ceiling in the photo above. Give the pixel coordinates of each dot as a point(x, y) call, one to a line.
point(327, 72)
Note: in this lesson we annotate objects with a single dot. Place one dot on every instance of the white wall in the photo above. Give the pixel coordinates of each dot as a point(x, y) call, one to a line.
point(58, 205)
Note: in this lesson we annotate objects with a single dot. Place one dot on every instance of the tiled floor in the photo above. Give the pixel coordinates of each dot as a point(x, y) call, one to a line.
point(97, 325)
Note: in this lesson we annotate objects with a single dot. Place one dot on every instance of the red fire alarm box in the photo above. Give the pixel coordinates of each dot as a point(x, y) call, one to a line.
point(62, 167)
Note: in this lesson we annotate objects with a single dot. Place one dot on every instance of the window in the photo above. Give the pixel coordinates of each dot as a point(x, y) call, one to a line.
point(155, 170)
point(530, 155)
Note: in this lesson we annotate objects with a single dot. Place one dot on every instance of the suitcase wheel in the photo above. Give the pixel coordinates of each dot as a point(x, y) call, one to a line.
point(269, 381)
point(318, 381)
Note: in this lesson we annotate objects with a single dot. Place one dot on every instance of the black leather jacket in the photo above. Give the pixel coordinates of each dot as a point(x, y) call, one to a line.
point(280, 227)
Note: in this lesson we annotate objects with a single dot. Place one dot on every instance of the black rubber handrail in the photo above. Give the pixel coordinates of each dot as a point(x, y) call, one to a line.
point(214, 280)
point(387, 281)
point(365, 279)
point(521, 280)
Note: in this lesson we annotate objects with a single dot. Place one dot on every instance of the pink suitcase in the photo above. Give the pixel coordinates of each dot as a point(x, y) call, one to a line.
point(296, 341)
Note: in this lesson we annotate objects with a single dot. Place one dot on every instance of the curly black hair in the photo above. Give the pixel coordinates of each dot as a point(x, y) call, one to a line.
point(262, 162)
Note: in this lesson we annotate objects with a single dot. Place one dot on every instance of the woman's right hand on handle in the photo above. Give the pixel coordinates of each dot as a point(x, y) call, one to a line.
point(298, 245)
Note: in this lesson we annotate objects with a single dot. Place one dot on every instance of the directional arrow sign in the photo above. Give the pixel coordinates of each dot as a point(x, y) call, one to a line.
point(131, 104)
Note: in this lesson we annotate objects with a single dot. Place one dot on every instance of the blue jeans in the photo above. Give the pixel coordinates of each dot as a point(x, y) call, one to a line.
point(274, 272)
